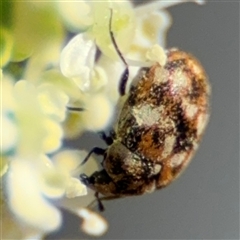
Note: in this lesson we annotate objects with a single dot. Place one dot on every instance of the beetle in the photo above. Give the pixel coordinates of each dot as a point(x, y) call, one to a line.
point(158, 130)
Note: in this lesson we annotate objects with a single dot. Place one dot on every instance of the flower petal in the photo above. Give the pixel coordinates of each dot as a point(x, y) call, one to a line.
point(75, 188)
point(53, 138)
point(123, 25)
point(52, 101)
point(98, 113)
point(34, 139)
point(76, 14)
point(93, 223)
point(25, 199)
point(77, 60)
point(11, 228)
point(53, 181)
point(151, 29)
point(157, 54)
point(98, 78)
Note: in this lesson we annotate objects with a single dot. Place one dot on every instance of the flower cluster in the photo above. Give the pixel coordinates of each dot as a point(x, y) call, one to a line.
point(40, 80)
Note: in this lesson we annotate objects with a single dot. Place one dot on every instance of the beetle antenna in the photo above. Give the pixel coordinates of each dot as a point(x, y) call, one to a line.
point(125, 75)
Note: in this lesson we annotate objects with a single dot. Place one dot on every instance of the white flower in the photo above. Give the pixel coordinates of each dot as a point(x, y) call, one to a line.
point(77, 62)
point(38, 132)
point(25, 200)
point(32, 117)
point(32, 183)
point(136, 31)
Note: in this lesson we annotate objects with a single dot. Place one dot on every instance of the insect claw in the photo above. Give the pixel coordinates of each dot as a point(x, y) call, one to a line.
point(84, 179)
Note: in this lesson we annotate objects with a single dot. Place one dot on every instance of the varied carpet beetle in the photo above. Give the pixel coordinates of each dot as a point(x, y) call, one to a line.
point(158, 130)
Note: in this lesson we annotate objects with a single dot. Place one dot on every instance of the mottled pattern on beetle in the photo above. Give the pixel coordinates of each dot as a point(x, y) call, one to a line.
point(165, 114)
point(158, 128)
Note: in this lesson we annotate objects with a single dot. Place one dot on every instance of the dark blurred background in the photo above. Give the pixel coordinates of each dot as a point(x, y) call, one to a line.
point(204, 202)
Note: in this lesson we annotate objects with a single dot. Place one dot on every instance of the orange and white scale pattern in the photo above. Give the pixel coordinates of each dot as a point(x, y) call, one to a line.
point(159, 127)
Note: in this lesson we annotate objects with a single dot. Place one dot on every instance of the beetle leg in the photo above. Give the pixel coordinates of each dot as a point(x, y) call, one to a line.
point(96, 150)
point(99, 201)
point(100, 205)
point(107, 139)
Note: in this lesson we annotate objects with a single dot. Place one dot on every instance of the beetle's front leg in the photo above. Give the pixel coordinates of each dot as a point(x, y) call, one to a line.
point(96, 150)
